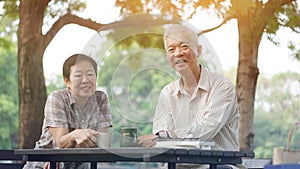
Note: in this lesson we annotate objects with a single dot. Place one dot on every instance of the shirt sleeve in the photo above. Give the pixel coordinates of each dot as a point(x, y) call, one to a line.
point(55, 114)
point(163, 118)
point(221, 105)
point(106, 119)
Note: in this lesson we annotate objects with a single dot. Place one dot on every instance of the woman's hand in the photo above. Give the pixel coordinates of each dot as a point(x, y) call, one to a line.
point(85, 138)
point(148, 140)
point(80, 138)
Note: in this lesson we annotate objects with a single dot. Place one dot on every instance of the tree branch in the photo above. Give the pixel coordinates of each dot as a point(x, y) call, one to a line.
point(269, 9)
point(68, 19)
point(294, 29)
point(145, 21)
point(284, 2)
point(216, 27)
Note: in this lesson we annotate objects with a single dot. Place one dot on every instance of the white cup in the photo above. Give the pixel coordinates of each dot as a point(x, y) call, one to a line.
point(104, 140)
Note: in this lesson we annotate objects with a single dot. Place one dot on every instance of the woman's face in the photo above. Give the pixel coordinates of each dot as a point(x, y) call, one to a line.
point(82, 81)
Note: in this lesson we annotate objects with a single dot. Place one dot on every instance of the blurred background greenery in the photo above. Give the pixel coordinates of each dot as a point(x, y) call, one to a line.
point(133, 103)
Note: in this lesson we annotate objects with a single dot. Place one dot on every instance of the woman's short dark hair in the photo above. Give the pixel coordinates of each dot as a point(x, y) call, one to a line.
point(72, 60)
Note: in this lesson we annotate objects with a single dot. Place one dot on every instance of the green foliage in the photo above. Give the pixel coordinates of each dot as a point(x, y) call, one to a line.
point(265, 151)
point(10, 8)
point(8, 31)
point(275, 15)
point(294, 50)
point(58, 8)
point(289, 16)
point(8, 99)
point(133, 73)
point(132, 91)
point(276, 110)
point(8, 25)
point(54, 83)
point(9, 123)
point(9, 75)
point(133, 87)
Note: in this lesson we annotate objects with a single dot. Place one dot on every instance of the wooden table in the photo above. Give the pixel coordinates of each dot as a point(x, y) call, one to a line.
point(134, 154)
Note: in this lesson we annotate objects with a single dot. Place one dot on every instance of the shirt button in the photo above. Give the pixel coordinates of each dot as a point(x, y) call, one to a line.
point(82, 121)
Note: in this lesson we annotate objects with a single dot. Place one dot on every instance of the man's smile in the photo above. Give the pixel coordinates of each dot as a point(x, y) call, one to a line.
point(180, 61)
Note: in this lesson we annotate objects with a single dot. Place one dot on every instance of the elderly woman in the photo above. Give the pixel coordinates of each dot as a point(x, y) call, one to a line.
point(74, 116)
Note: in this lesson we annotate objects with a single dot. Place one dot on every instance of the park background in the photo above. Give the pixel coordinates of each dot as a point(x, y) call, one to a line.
point(277, 102)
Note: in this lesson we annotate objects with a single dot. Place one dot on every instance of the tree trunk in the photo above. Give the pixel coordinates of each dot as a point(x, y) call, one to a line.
point(247, 75)
point(32, 90)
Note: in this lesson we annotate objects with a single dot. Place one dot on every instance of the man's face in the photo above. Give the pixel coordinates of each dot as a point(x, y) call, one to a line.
point(82, 81)
point(180, 54)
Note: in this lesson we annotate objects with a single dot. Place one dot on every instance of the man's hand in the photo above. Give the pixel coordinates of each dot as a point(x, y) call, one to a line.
point(47, 165)
point(148, 140)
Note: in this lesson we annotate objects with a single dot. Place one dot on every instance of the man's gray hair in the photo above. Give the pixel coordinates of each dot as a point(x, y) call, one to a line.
point(172, 32)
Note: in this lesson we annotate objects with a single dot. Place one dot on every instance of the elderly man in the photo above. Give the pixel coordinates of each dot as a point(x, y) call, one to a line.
point(200, 104)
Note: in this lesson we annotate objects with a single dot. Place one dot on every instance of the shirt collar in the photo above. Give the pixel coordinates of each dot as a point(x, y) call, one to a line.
point(204, 80)
point(92, 98)
point(70, 96)
point(203, 83)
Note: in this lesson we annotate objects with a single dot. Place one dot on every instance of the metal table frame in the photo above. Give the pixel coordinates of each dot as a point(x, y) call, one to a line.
point(134, 154)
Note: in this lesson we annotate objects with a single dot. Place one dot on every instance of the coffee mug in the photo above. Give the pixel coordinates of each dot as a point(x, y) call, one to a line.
point(128, 137)
point(104, 139)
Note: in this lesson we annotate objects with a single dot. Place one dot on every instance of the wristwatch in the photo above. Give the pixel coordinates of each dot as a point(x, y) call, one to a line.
point(164, 134)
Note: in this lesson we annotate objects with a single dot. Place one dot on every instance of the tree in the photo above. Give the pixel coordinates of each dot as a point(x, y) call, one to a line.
point(31, 46)
point(254, 18)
